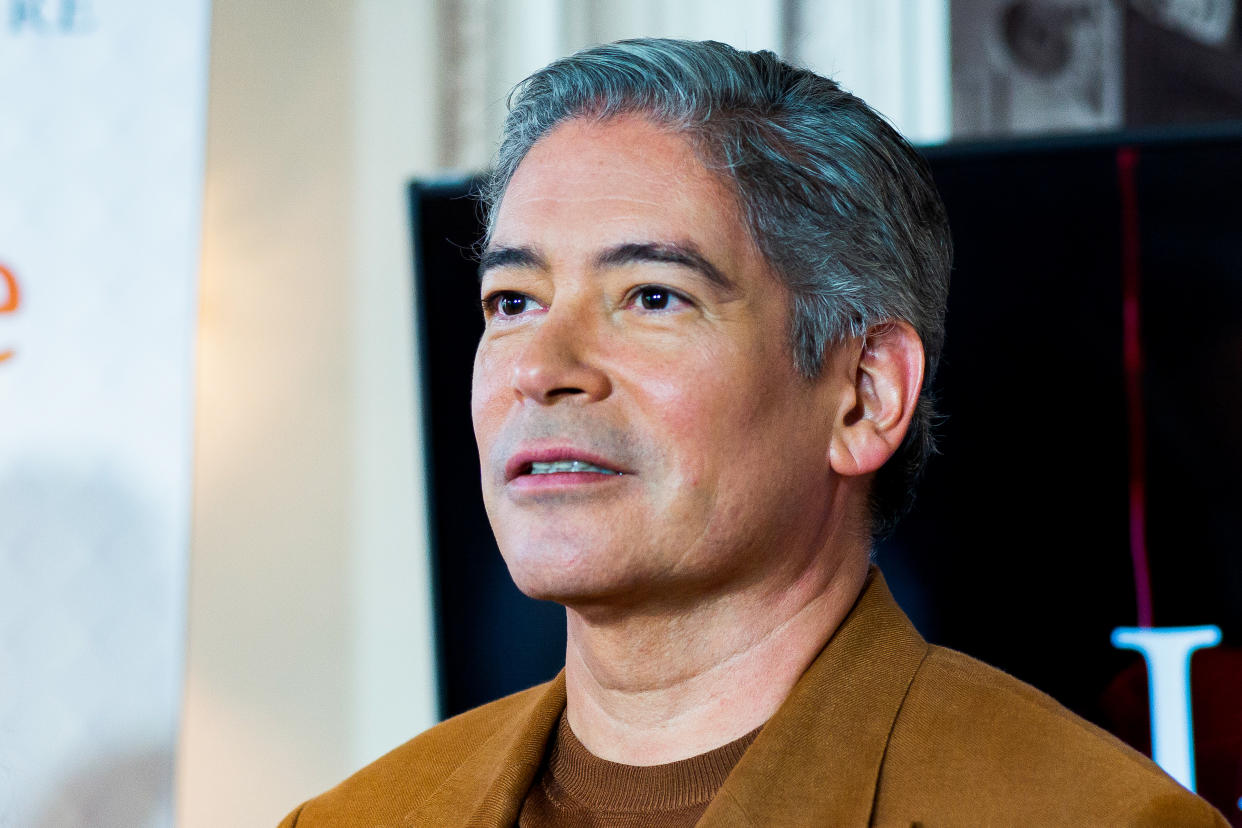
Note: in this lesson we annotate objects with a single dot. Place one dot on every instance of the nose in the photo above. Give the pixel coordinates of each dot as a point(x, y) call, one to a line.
point(558, 363)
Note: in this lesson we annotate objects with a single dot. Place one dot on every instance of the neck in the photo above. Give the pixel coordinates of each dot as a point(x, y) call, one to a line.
point(651, 687)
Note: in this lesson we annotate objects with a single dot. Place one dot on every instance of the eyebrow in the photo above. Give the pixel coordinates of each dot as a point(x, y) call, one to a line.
point(685, 254)
point(520, 257)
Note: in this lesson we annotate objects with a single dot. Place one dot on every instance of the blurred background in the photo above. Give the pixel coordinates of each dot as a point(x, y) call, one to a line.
point(223, 583)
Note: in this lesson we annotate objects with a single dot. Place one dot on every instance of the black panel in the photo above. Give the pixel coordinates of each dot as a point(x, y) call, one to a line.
point(1022, 518)
point(1192, 292)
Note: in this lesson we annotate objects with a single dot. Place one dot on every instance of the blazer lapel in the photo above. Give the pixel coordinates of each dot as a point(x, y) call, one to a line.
point(817, 760)
point(486, 791)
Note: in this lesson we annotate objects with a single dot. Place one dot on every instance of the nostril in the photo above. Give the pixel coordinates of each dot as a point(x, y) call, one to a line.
point(565, 391)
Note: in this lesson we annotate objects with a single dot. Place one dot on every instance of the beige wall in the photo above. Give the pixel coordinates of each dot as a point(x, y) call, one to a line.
point(309, 633)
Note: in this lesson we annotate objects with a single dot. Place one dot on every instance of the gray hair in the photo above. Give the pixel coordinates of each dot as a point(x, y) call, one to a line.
point(842, 207)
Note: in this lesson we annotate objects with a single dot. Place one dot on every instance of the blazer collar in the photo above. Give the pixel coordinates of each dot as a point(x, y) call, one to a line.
point(487, 790)
point(818, 757)
point(817, 760)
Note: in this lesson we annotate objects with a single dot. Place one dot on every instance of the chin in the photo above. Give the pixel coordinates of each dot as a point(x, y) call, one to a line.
point(566, 576)
point(547, 581)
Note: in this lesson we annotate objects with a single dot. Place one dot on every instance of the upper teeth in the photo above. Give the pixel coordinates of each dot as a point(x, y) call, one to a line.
point(568, 466)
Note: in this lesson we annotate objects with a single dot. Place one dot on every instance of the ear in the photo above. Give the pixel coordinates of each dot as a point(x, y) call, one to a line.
point(887, 370)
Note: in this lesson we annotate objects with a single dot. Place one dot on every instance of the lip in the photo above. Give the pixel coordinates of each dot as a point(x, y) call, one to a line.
point(519, 464)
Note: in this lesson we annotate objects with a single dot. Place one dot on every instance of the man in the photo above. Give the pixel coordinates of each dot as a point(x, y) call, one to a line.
point(714, 289)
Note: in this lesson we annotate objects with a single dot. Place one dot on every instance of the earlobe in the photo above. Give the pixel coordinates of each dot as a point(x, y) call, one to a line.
point(887, 369)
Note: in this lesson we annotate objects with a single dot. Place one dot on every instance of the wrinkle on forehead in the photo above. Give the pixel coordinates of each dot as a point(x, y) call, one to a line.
point(579, 198)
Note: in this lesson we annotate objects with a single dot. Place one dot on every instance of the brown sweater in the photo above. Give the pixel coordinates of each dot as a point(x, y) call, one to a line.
point(577, 788)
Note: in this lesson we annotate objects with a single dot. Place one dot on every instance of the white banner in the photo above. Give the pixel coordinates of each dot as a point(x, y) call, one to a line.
point(102, 123)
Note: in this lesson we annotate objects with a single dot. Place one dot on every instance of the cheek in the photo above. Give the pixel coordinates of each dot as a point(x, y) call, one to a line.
point(713, 388)
point(700, 406)
point(485, 386)
point(735, 410)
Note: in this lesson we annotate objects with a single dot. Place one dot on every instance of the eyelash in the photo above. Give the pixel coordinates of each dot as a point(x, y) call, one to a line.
point(635, 296)
point(491, 302)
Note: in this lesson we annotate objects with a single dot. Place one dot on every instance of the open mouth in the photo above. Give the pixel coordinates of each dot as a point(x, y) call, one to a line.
point(570, 466)
point(552, 464)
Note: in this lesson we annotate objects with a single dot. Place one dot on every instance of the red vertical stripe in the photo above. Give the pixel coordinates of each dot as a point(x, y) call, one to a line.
point(1132, 355)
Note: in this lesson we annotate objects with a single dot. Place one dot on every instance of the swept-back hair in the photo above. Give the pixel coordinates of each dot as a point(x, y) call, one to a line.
point(842, 207)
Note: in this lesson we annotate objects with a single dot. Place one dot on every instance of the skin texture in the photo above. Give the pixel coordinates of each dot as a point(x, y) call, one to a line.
point(633, 323)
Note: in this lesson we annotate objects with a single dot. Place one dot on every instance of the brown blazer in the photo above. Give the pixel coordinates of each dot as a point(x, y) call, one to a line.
point(882, 729)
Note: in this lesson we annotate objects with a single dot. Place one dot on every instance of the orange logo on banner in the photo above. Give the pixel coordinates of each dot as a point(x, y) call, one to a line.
point(11, 302)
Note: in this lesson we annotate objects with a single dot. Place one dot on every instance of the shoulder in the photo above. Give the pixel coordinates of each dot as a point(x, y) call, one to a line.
point(974, 743)
point(385, 791)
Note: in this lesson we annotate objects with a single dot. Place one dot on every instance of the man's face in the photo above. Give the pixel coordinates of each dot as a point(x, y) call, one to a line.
point(642, 431)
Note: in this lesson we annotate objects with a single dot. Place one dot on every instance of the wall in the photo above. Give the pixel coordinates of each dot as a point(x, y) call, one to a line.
point(309, 631)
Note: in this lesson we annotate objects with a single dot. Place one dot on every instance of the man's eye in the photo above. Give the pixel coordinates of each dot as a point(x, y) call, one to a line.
point(656, 298)
point(509, 303)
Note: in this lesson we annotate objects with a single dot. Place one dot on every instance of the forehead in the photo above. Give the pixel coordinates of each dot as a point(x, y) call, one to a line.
point(623, 178)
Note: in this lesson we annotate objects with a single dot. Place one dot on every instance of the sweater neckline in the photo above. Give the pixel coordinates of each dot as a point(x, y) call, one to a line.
point(602, 785)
